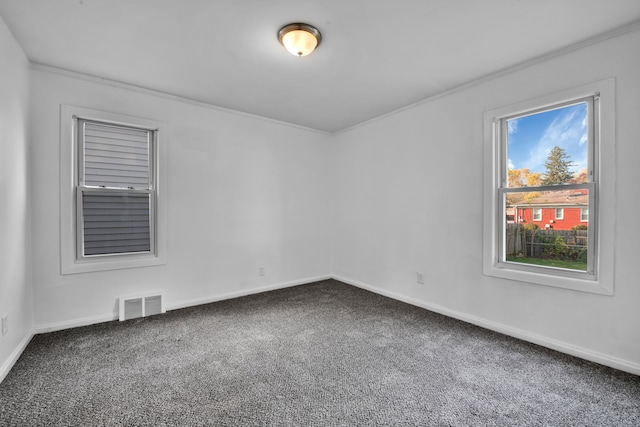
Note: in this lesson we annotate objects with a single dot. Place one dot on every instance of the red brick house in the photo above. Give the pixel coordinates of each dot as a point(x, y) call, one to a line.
point(558, 210)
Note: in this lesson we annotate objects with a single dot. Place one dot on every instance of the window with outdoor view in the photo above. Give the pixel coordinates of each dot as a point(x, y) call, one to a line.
point(548, 180)
point(549, 189)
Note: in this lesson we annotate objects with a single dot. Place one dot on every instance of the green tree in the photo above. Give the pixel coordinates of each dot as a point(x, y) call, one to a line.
point(557, 167)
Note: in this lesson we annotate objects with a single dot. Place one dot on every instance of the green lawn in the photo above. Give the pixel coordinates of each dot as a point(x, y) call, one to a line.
point(573, 265)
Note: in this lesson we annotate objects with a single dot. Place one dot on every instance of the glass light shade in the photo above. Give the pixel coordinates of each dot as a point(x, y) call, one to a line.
point(299, 39)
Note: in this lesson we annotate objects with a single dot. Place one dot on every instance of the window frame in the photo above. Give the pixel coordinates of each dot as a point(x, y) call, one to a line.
point(500, 124)
point(561, 216)
point(534, 214)
point(72, 187)
point(83, 188)
point(599, 278)
point(582, 214)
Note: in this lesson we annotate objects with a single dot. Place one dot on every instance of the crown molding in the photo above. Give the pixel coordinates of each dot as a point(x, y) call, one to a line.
point(35, 66)
point(505, 71)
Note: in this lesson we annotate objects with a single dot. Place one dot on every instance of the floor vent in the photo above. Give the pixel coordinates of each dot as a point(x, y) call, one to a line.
point(133, 307)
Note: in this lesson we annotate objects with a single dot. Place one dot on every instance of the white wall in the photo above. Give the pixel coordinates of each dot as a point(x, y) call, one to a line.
point(15, 281)
point(243, 192)
point(408, 198)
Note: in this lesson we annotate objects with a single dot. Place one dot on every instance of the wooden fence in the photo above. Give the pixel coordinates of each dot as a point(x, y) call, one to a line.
point(542, 242)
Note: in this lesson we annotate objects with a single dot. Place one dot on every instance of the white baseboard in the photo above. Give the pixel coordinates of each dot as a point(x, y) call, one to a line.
point(583, 353)
point(108, 317)
point(15, 355)
point(230, 295)
point(75, 323)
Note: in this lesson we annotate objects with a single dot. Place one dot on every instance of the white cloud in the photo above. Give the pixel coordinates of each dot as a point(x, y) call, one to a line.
point(510, 164)
point(567, 128)
point(512, 126)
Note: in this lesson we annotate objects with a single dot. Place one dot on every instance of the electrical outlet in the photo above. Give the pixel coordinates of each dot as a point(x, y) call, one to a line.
point(261, 271)
point(5, 325)
point(420, 279)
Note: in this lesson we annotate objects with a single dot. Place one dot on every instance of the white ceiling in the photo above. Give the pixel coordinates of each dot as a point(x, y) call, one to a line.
point(375, 56)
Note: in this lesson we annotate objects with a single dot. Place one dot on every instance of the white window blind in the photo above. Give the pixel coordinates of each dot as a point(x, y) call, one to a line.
point(116, 195)
point(115, 222)
point(115, 156)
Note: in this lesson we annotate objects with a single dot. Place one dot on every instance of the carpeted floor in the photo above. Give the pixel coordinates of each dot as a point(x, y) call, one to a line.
point(324, 354)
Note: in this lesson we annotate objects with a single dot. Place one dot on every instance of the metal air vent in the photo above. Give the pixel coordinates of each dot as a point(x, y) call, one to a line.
point(133, 307)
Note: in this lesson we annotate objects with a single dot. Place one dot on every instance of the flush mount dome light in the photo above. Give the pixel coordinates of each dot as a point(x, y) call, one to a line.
point(299, 39)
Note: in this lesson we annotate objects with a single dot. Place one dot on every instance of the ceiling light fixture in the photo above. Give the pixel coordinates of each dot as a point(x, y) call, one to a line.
point(299, 39)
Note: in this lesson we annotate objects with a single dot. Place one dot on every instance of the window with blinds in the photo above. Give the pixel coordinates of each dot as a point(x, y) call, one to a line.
point(116, 189)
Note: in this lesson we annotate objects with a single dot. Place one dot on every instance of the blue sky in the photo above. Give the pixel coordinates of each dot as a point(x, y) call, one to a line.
point(531, 138)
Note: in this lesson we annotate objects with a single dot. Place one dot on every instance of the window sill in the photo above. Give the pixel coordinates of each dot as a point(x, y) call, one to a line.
point(96, 264)
point(512, 271)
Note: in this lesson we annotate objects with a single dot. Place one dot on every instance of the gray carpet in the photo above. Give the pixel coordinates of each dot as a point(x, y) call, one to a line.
point(323, 354)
